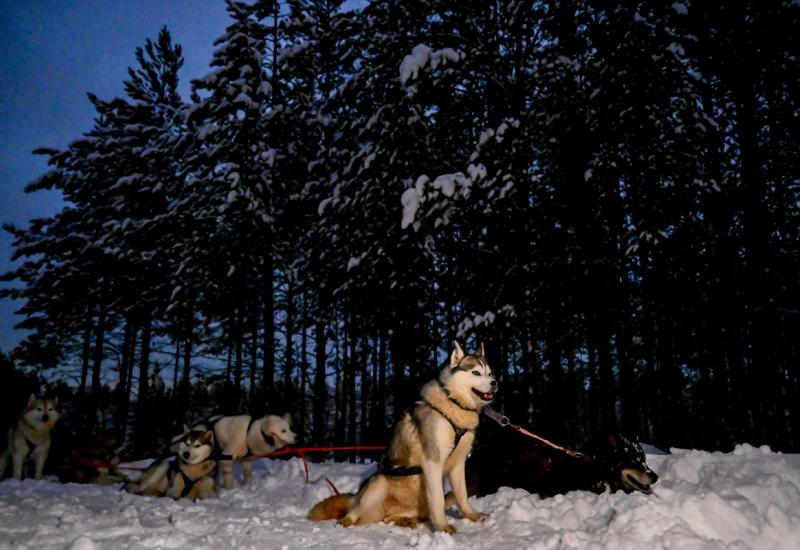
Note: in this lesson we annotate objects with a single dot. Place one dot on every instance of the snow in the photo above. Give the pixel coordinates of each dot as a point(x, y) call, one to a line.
point(410, 201)
point(421, 56)
point(680, 8)
point(747, 499)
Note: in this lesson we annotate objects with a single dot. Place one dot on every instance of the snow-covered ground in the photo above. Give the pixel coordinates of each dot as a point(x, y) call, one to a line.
point(749, 498)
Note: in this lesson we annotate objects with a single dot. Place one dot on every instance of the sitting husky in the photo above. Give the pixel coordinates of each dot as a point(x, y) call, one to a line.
point(29, 440)
point(190, 475)
point(239, 436)
point(431, 440)
point(614, 463)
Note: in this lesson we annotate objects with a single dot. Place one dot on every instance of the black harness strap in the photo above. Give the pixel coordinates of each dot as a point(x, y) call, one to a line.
point(188, 483)
point(31, 445)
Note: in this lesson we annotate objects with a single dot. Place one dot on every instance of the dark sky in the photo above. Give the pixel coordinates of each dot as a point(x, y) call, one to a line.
point(51, 53)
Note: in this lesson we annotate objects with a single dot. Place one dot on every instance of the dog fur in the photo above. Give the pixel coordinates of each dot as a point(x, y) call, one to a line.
point(239, 436)
point(431, 440)
point(29, 440)
point(191, 475)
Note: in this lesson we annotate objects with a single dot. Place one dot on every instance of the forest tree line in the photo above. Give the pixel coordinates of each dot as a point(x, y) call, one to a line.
point(605, 193)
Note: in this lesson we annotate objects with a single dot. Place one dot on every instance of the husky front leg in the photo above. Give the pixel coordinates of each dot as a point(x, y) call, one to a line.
point(247, 469)
point(458, 482)
point(432, 472)
point(17, 463)
point(39, 458)
point(226, 468)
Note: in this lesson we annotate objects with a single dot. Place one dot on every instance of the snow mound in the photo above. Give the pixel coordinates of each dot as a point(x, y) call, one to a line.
point(747, 499)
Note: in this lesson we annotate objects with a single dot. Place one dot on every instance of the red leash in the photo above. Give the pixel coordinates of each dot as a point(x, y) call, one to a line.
point(301, 452)
point(504, 421)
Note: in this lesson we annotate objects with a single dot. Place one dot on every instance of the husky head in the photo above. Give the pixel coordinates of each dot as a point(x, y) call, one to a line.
point(624, 464)
point(469, 377)
point(280, 428)
point(41, 414)
point(195, 446)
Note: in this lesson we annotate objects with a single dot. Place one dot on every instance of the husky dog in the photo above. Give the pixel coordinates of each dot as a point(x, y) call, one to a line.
point(29, 440)
point(239, 436)
point(95, 461)
point(191, 474)
point(615, 463)
point(431, 440)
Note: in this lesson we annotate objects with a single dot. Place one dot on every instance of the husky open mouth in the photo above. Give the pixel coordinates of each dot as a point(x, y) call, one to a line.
point(483, 396)
point(631, 480)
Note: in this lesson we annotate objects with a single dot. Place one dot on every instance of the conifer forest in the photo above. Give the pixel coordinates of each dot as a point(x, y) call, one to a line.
point(606, 194)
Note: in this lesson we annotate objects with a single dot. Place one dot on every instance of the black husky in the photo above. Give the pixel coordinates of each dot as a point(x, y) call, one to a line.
point(613, 463)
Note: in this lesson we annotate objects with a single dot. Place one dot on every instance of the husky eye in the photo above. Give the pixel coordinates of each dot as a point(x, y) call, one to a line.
point(476, 373)
point(283, 431)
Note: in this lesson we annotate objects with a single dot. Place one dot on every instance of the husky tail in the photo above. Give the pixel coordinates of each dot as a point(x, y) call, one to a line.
point(333, 507)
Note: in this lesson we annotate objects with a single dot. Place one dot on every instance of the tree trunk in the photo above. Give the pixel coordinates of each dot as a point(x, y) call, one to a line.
point(144, 430)
point(288, 358)
point(121, 393)
point(86, 352)
point(268, 351)
point(301, 420)
point(99, 345)
point(186, 376)
point(320, 385)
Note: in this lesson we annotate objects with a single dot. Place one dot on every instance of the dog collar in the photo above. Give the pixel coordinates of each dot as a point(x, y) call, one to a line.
point(268, 439)
point(453, 399)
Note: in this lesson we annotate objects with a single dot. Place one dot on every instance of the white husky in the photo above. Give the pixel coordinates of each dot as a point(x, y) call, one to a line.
point(29, 440)
point(239, 436)
point(431, 440)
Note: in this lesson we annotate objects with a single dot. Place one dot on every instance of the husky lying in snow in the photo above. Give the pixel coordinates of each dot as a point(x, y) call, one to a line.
point(617, 464)
point(95, 461)
point(190, 475)
point(239, 436)
point(29, 440)
point(431, 440)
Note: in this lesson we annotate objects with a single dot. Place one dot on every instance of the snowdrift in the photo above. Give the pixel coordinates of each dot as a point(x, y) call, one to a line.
point(749, 498)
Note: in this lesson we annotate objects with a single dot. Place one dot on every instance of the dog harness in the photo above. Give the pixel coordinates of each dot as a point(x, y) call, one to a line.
point(268, 439)
point(394, 470)
point(188, 483)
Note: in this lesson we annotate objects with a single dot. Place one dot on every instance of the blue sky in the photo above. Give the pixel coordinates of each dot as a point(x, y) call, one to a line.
point(52, 52)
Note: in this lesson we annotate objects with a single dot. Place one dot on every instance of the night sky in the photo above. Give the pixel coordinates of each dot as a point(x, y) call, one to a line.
point(51, 53)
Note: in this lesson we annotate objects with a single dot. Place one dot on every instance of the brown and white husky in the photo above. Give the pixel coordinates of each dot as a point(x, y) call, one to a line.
point(29, 440)
point(430, 441)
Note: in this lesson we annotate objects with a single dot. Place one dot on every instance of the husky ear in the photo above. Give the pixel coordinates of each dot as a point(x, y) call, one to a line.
point(186, 429)
point(55, 403)
point(207, 437)
point(288, 418)
point(480, 351)
point(31, 399)
point(456, 356)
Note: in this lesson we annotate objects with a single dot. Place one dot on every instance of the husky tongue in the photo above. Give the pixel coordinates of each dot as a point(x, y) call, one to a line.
point(483, 396)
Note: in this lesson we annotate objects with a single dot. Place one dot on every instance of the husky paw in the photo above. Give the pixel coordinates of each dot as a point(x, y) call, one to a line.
point(446, 528)
point(476, 516)
point(411, 523)
point(347, 521)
